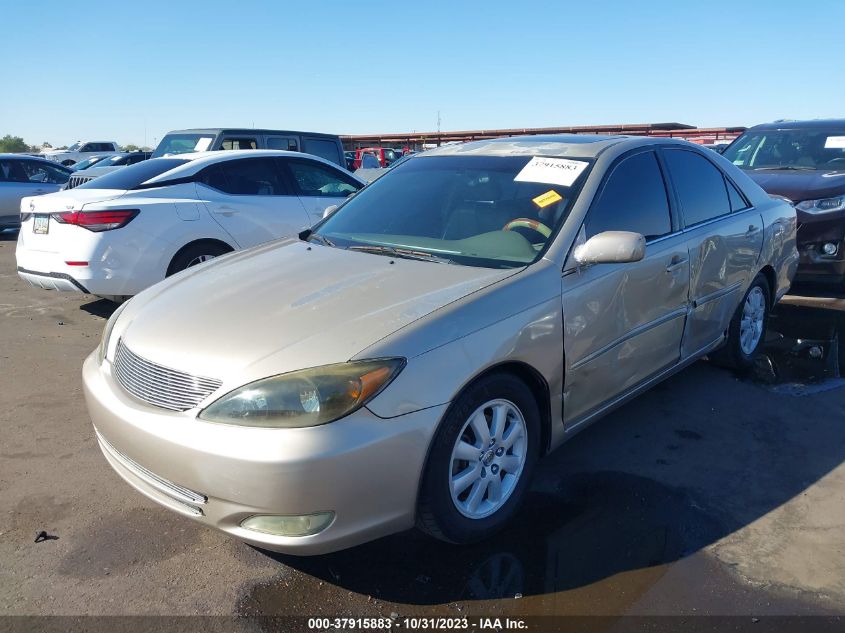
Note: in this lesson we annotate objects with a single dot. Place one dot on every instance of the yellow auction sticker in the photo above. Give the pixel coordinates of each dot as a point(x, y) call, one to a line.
point(545, 199)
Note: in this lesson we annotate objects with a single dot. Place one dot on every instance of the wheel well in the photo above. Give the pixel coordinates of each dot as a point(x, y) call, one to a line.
point(68, 163)
point(538, 386)
point(771, 278)
point(204, 242)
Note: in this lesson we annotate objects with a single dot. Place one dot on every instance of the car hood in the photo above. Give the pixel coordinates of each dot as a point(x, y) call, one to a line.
point(284, 306)
point(800, 185)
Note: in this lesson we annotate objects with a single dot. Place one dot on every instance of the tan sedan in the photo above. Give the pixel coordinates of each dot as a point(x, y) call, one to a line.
point(408, 360)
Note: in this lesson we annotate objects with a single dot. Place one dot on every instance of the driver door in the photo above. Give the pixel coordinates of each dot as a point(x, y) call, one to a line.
point(623, 323)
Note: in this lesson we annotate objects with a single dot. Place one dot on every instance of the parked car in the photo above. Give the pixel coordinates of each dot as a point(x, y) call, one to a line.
point(90, 162)
point(803, 161)
point(383, 155)
point(81, 150)
point(371, 170)
point(22, 176)
point(408, 360)
point(326, 146)
point(106, 165)
point(124, 231)
point(349, 157)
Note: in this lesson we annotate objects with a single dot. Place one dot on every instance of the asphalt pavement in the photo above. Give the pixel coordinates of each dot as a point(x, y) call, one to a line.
point(713, 494)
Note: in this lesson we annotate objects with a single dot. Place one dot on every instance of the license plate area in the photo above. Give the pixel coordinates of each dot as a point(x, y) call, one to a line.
point(41, 224)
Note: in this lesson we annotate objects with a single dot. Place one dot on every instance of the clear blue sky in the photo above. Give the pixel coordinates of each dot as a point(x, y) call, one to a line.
point(113, 70)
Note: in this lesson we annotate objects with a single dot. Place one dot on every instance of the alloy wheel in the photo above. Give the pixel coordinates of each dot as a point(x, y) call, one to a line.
point(752, 321)
point(488, 458)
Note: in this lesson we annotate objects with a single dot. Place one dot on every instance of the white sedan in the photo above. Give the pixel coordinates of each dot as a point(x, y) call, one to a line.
point(118, 234)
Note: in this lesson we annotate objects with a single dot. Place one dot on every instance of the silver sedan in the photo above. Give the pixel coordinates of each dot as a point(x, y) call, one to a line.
point(408, 360)
point(22, 176)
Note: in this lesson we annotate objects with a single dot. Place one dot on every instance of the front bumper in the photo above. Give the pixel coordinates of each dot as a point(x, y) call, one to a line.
point(363, 468)
point(813, 233)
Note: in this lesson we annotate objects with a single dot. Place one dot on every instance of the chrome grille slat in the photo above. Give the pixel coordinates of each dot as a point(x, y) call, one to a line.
point(158, 385)
point(181, 493)
point(75, 181)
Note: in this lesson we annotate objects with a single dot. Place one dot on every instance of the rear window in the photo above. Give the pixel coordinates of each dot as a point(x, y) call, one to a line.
point(133, 175)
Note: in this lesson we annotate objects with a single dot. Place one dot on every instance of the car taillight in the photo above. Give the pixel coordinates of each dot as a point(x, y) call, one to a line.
point(97, 221)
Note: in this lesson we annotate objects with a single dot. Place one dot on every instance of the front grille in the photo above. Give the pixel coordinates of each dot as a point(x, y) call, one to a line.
point(157, 385)
point(75, 181)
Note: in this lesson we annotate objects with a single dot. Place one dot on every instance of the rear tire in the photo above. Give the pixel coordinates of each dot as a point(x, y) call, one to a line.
point(747, 331)
point(194, 254)
point(481, 461)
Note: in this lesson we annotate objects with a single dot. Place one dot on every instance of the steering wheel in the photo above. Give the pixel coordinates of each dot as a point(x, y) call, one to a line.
point(527, 223)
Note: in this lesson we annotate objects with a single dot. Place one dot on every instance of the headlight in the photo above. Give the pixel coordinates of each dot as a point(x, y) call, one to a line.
point(308, 397)
point(825, 205)
point(104, 340)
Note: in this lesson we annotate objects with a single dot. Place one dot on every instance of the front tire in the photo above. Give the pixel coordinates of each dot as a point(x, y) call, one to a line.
point(747, 331)
point(481, 461)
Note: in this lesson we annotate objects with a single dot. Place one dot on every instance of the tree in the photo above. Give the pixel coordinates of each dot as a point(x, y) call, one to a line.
point(130, 148)
point(11, 143)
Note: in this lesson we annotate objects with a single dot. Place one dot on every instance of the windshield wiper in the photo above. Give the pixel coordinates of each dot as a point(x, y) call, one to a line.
point(321, 239)
point(785, 168)
point(401, 253)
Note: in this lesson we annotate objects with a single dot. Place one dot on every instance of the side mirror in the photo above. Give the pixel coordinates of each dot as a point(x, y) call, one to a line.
point(611, 247)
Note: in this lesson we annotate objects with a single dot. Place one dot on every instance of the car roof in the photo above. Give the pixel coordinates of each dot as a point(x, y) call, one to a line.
point(581, 145)
point(246, 130)
point(199, 160)
point(28, 157)
point(800, 125)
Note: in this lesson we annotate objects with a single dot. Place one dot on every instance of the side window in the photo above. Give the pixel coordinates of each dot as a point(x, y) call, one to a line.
point(633, 199)
point(13, 171)
point(239, 143)
point(36, 171)
point(316, 179)
point(88, 147)
point(322, 148)
point(282, 142)
point(700, 186)
point(245, 177)
point(738, 203)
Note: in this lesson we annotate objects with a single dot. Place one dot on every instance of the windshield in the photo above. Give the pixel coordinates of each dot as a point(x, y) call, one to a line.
point(487, 211)
point(133, 175)
point(73, 147)
point(84, 164)
point(183, 143)
point(789, 149)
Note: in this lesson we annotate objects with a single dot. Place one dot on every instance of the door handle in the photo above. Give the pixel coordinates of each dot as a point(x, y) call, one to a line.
point(676, 263)
point(226, 211)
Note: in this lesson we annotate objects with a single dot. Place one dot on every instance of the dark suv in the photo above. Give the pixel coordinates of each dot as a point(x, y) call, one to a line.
point(803, 161)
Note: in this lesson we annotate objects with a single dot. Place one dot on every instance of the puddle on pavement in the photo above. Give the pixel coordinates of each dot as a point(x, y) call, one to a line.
point(804, 351)
point(594, 546)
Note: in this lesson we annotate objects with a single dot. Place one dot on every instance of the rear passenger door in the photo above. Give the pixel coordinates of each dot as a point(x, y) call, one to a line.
point(623, 323)
point(318, 185)
point(724, 237)
point(252, 200)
